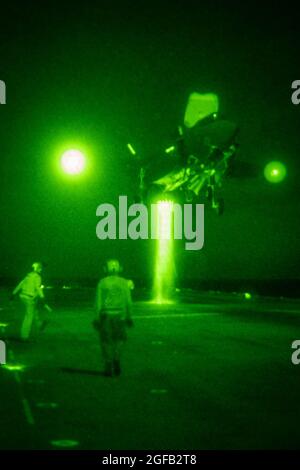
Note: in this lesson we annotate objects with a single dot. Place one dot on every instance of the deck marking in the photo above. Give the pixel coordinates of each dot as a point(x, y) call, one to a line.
point(24, 401)
point(158, 391)
point(65, 443)
point(176, 315)
point(27, 411)
point(46, 405)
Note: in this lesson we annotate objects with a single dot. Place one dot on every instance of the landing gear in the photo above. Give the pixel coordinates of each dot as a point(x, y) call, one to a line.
point(210, 194)
point(216, 203)
point(219, 206)
point(189, 196)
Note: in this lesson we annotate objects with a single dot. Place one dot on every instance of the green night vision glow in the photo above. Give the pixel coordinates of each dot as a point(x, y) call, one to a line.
point(275, 172)
point(73, 162)
point(164, 272)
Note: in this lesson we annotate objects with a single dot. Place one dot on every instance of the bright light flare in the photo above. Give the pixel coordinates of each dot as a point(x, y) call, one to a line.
point(275, 172)
point(73, 162)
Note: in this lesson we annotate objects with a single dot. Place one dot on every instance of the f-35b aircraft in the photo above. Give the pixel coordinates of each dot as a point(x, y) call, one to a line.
point(200, 157)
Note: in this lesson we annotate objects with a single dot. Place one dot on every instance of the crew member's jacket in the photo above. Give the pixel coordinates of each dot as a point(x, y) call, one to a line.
point(30, 286)
point(113, 297)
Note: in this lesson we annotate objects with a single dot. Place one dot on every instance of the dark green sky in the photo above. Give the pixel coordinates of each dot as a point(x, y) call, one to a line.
point(108, 73)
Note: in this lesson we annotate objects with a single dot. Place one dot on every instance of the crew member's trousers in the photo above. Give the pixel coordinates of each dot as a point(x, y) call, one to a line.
point(31, 318)
point(112, 336)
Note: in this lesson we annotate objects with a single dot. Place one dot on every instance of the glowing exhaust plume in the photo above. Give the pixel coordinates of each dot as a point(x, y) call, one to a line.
point(164, 264)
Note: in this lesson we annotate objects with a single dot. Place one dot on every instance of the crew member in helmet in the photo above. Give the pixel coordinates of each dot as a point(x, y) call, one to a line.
point(30, 291)
point(113, 307)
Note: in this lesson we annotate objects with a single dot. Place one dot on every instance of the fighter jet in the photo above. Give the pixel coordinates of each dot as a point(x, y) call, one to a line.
point(200, 157)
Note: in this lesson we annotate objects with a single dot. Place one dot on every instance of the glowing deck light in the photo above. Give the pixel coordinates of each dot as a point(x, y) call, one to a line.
point(73, 162)
point(163, 278)
point(65, 443)
point(14, 367)
point(275, 172)
point(247, 296)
